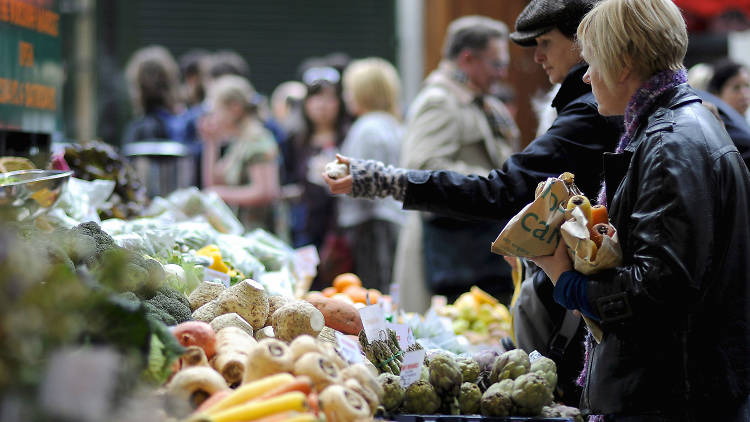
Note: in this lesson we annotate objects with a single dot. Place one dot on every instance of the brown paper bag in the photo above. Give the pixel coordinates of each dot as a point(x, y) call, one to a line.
point(535, 230)
point(580, 248)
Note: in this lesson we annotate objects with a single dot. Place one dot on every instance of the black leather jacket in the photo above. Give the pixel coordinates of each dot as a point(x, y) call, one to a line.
point(676, 314)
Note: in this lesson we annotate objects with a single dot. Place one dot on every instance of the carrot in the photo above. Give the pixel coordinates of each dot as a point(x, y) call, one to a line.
point(288, 417)
point(598, 215)
point(258, 409)
point(215, 398)
point(249, 391)
point(302, 384)
point(313, 403)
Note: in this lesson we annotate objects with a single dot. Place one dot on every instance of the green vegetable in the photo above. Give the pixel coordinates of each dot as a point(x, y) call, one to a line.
point(164, 350)
point(178, 310)
point(547, 368)
point(445, 375)
point(469, 369)
point(530, 394)
point(496, 401)
point(421, 398)
point(469, 399)
point(510, 365)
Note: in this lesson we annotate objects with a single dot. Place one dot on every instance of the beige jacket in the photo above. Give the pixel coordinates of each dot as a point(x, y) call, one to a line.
point(446, 130)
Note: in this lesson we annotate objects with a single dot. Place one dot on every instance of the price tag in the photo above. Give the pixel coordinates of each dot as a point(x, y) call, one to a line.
point(403, 333)
point(306, 261)
point(373, 319)
point(386, 304)
point(211, 275)
point(411, 367)
point(534, 356)
point(349, 348)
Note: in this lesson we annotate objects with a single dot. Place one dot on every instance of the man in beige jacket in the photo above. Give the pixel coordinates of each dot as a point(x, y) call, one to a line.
point(454, 124)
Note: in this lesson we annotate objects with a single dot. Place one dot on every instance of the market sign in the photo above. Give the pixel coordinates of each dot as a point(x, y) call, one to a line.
point(31, 71)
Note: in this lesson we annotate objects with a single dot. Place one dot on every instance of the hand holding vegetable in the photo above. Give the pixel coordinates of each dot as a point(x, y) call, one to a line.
point(339, 183)
point(555, 264)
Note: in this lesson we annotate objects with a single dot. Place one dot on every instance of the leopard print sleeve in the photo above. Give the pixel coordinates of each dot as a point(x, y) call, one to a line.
point(373, 179)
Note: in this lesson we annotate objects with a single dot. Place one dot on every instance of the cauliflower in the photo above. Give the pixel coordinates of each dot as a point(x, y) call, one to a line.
point(469, 369)
point(496, 401)
point(393, 393)
point(421, 398)
point(469, 398)
point(445, 375)
point(548, 369)
point(510, 365)
point(530, 394)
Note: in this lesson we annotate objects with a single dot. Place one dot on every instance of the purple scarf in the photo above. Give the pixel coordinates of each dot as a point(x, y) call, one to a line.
point(637, 111)
point(640, 107)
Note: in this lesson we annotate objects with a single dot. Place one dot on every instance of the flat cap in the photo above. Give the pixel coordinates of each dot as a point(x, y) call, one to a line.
point(542, 16)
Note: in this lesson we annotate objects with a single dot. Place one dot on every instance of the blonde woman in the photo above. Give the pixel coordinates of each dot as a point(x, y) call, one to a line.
point(246, 176)
point(676, 313)
point(371, 91)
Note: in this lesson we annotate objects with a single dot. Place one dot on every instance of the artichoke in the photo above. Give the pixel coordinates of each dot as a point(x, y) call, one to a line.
point(510, 365)
point(445, 375)
point(496, 401)
point(393, 393)
point(561, 411)
point(469, 369)
point(530, 394)
point(425, 373)
point(548, 369)
point(450, 406)
point(469, 398)
point(421, 398)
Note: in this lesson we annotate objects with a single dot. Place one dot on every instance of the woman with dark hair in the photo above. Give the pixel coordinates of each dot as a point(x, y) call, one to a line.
point(731, 83)
point(313, 213)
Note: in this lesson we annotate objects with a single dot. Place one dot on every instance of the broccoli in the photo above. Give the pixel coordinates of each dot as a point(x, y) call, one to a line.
point(173, 294)
point(158, 314)
point(176, 309)
point(78, 246)
point(104, 242)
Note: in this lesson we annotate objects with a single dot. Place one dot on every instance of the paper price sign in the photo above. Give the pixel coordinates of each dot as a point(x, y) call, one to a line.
point(373, 319)
point(403, 334)
point(349, 348)
point(212, 275)
point(411, 367)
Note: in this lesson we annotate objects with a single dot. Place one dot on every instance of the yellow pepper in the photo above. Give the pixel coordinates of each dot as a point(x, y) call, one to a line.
point(213, 252)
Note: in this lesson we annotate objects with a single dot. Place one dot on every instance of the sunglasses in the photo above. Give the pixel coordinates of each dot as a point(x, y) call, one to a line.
point(315, 75)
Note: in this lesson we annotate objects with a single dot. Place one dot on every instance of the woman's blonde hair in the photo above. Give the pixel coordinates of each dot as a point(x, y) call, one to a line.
point(373, 84)
point(650, 36)
point(229, 89)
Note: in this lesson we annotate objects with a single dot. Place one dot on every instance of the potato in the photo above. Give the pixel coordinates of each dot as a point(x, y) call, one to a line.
point(297, 318)
point(338, 315)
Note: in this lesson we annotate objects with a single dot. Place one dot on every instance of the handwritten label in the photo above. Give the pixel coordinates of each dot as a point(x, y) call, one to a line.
point(403, 333)
point(349, 348)
point(411, 367)
point(212, 275)
point(534, 356)
point(373, 319)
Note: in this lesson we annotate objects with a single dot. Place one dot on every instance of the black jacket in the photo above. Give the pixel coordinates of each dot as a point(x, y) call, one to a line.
point(575, 142)
point(676, 314)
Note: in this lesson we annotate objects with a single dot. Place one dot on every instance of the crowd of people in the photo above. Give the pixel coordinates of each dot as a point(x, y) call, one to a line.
point(673, 172)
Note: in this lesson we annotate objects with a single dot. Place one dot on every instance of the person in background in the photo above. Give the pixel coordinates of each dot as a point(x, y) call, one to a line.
point(192, 68)
point(286, 101)
point(731, 83)
point(153, 76)
point(313, 211)
point(675, 314)
point(371, 93)
point(455, 123)
point(246, 175)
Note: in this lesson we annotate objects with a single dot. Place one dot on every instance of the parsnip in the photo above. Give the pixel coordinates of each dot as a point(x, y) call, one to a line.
point(320, 370)
point(269, 357)
point(196, 384)
point(233, 347)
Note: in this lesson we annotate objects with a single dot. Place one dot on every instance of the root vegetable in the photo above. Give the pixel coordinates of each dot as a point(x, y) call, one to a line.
point(268, 357)
point(338, 315)
point(366, 376)
point(329, 351)
point(248, 299)
point(289, 417)
point(320, 369)
point(196, 333)
point(294, 401)
point(327, 335)
point(341, 404)
point(265, 332)
point(196, 384)
point(204, 293)
point(231, 320)
point(249, 391)
point(370, 397)
point(295, 319)
point(274, 303)
point(302, 384)
point(207, 312)
point(193, 356)
point(301, 345)
point(233, 347)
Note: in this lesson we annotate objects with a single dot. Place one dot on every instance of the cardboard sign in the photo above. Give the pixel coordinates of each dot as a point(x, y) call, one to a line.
point(403, 333)
point(373, 319)
point(349, 348)
point(411, 367)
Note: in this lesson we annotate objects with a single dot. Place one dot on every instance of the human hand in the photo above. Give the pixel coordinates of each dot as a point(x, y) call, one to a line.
point(209, 129)
point(555, 264)
point(341, 185)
